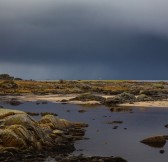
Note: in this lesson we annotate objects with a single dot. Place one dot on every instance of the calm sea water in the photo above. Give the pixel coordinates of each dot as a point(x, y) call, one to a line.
point(106, 141)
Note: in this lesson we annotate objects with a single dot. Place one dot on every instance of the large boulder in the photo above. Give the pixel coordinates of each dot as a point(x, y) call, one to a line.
point(20, 131)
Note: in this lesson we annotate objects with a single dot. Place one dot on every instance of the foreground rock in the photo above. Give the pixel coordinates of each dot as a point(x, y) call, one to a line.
point(23, 139)
point(155, 141)
point(19, 132)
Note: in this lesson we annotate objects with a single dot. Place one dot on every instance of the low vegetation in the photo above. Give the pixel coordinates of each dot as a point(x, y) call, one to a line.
point(124, 90)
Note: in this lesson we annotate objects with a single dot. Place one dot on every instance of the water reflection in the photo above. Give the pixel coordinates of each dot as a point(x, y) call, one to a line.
point(102, 139)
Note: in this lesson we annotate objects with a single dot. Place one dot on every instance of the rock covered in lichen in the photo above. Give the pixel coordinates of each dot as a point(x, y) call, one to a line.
point(18, 130)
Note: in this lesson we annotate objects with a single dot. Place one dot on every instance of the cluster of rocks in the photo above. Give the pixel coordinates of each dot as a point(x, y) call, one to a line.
point(14, 102)
point(131, 98)
point(121, 98)
point(23, 139)
point(42, 113)
point(19, 133)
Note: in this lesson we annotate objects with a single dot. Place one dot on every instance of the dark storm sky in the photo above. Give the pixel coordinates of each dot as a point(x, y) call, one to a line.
point(84, 39)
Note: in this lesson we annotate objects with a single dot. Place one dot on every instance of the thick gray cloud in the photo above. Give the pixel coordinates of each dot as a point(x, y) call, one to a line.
point(48, 39)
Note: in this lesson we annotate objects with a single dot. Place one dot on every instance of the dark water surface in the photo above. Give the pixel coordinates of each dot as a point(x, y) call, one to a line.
point(106, 141)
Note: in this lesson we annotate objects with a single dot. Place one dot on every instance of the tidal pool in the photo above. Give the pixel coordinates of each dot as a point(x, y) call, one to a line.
point(103, 140)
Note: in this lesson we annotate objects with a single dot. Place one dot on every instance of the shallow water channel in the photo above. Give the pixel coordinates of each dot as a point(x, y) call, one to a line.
point(103, 139)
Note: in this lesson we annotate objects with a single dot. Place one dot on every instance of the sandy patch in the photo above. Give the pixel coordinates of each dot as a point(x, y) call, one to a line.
point(57, 98)
point(148, 104)
point(50, 98)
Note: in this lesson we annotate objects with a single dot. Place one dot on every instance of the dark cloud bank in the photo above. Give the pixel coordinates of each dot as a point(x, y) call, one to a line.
point(84, 40)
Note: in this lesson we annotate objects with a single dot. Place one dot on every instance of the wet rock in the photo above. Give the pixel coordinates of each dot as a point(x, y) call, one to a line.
point(120, 109)
point(119, 159)
point(33, 113)
point(166, 126)
point(48, 113)
point(19, 132)
point(81, 111)
point(155, 141)
point(14, 102)
point(64, 103)
point(115, 122)
point(115, 127)
point(162, 151)
point(44, 102)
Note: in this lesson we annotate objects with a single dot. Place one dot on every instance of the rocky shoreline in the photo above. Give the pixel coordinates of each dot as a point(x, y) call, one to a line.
point(109, 93)
point(23, 139)
point(122, 100)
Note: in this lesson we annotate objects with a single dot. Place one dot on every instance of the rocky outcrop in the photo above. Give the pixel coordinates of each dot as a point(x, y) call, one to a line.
point(155, 141)
point(20, 132)
point(121, 98)
point(23, 139)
